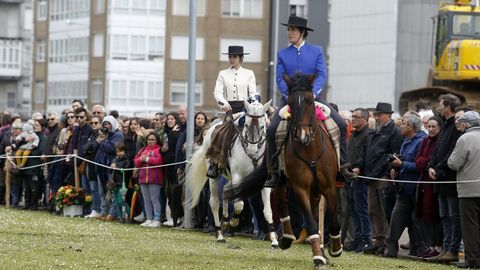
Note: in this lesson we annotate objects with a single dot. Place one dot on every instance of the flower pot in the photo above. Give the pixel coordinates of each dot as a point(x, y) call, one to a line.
point(73, 210)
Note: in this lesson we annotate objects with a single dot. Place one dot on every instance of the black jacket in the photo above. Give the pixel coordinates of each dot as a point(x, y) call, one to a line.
point(445, 144)
point(373, 161)
point(52, 139)
point(356, 143)
point(121, 163)
point(80, 138)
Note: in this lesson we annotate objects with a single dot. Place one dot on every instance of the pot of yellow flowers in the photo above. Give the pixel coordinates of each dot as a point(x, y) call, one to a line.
point(71, 200)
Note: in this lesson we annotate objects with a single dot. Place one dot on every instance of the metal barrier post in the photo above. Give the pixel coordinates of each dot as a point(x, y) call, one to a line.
point(7, 181)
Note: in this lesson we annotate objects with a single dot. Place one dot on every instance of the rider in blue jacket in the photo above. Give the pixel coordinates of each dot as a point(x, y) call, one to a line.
point(301, 57)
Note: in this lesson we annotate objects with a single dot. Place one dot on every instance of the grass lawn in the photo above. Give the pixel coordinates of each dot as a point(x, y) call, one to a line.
point(38, 240)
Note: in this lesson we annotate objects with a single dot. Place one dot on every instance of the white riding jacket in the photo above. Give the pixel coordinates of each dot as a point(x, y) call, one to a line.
point(235, 85)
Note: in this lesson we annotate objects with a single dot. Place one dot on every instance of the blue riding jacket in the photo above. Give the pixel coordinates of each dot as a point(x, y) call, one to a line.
point(307, 60)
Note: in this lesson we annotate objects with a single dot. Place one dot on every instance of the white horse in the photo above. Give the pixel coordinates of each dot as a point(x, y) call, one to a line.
point(246, 155)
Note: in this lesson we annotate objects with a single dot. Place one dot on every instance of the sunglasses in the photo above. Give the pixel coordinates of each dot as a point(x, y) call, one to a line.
point(51, 119)
point(95, 123)
point(70, 117)
point(80, 116)
point(96, 113)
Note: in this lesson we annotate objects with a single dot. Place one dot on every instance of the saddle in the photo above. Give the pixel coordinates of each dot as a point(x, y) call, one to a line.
point(323, 118)
point(223, 138)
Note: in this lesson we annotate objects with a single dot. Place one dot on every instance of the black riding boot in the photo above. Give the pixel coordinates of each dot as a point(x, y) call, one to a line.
point(273, 178)
point(213, 171)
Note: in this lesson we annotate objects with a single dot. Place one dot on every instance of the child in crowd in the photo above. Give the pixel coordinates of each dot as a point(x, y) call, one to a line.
point(114, 185)
point(27, 141)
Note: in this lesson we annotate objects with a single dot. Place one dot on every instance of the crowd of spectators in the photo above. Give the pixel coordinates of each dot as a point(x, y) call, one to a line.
point(421, 145)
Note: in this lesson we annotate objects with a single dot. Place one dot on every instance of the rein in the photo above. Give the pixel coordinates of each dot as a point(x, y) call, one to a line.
point(245, 141)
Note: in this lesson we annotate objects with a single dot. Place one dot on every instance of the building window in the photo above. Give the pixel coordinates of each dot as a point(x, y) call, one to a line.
point(28, 19)
point(252, 46)
point(179, 48)
point(69, 9)
point(68, 50)
point(178, 93)
point(157, 7)
point(119, 47)
point(99, 6)
point(97, 45)
point(97, 91)
point(140, 7)
point(39, 97)
point(120, 6)
point(61, 93)
point(155, 93)
point(119, 88)
point(41, 10)
point(138, 48)
point(11, 100)
point(182, 7)
point(298, 10)
point(242, 8)
point(40, 51)
point(155, 48)
point(137, 93)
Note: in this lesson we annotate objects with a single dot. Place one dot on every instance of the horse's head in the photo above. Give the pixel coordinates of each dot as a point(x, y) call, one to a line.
point(302, 105)
point(255, 121)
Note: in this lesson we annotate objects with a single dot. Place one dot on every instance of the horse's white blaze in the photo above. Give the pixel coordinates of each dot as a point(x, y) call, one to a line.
point(303, 137)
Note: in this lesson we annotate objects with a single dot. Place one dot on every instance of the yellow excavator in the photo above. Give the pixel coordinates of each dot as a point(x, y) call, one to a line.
point(456, 65)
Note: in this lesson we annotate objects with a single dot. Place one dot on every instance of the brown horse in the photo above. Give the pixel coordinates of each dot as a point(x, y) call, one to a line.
point(311, 169)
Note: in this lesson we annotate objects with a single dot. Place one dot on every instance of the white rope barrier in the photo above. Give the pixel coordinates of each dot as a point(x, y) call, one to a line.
point(67, 157)
point(132, 169)
point(418, 182)
point(35, 166)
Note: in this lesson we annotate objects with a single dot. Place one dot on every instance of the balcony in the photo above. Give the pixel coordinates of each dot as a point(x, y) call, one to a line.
point(10, 58)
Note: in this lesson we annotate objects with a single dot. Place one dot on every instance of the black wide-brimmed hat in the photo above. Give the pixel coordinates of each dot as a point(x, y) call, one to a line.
point(235, 50)
point(383, 107)
point(298, 22)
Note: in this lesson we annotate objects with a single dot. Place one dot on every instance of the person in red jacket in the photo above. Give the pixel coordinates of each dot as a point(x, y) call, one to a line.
point(150, 179)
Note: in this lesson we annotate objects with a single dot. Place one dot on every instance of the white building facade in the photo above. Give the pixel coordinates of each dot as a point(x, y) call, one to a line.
point(101, 52)
point(16, 25)
point(378, 49)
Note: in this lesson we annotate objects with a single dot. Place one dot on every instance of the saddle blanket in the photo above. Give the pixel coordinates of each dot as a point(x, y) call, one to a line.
point(322, 113)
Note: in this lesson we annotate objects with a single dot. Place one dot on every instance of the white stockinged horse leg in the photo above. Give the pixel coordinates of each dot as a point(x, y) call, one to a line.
point(215, 206)
point(267, 212)
point(238, 208)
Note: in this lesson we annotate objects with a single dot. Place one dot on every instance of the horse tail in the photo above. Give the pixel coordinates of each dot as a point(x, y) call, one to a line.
point(248, 185)
point(196, 176)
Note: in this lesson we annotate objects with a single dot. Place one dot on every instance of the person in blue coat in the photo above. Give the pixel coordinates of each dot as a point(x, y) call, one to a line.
point(302, 57)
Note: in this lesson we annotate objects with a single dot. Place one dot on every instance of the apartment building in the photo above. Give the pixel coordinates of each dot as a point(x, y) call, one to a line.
point(220, 23)
point(16, 24)
point(101, 52)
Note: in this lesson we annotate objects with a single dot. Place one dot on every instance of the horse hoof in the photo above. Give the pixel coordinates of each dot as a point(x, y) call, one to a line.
point(320, 263)
point(335, 254)
point(275, 244)
point(221, 241)
point(284, 243)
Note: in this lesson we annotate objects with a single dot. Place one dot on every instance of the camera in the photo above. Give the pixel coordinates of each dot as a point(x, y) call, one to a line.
point(391, 157)
point(105, 130)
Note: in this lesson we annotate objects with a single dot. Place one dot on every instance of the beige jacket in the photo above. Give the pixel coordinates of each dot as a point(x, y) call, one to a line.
point(235, 85)
point(465, 159)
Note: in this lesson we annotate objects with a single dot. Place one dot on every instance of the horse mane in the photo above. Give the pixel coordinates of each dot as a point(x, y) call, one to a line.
point(300, 82)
